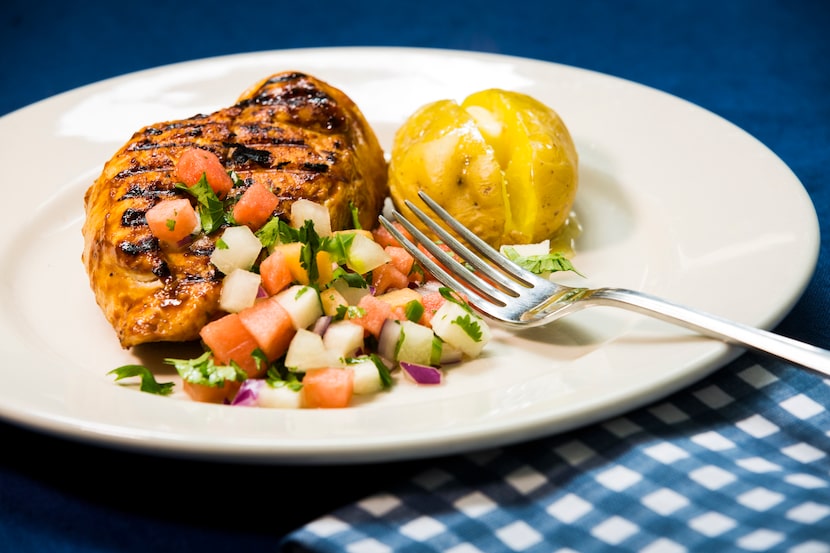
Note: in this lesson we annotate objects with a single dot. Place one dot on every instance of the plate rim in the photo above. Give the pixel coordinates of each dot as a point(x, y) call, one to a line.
point(323, 453)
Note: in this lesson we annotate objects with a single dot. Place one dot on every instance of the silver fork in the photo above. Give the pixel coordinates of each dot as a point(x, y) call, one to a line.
point(515, 297)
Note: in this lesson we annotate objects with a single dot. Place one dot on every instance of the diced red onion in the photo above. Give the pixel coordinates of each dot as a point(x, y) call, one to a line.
point(321, 325)
point(422, 374)
point(261, 293)
point(248, 393)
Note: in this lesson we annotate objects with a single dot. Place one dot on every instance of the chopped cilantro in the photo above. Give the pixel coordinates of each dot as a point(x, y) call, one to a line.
point(278, 376)
point(337, 245)
point(148, 381)
point(349, 312)
point(540, 264)
point(470, 326)
point(383, 370)
point(203, 370)
point(449, 295)
point(210, 208)
point(354, 280)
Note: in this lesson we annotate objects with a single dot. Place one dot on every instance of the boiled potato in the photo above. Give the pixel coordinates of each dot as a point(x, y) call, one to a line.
point(501, 162)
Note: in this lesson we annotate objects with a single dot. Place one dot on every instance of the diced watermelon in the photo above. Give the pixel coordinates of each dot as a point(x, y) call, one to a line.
point(374, 314)
point(255, 206)
point(229, 340)
point(270, 324)
point(330, 388)
point(275, 272)
point(195, 162)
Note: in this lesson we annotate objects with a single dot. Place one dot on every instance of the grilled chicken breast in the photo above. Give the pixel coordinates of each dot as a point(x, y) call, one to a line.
point(299, 136)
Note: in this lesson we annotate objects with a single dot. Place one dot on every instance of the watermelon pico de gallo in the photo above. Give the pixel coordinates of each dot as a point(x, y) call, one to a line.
point(311, 317)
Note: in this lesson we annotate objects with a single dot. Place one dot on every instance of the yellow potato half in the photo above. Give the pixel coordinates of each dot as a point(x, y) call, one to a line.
point(501, 162)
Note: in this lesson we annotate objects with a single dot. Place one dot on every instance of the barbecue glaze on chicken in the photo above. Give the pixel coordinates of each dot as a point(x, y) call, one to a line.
point(299, 136)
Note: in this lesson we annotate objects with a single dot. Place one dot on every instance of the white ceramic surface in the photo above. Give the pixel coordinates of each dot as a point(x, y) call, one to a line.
point(674, 200)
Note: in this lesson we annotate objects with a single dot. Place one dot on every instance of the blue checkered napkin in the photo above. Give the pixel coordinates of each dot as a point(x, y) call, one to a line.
point(738, 462)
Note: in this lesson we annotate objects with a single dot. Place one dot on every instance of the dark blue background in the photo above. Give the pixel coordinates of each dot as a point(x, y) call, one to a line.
point(762, 64)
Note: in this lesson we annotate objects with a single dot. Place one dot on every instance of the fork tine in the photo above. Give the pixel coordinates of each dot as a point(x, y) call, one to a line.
point(485, 296)
point(519, 273)
point(506, 284)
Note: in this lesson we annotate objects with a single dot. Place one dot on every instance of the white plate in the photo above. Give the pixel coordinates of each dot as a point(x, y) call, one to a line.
point(674, 201)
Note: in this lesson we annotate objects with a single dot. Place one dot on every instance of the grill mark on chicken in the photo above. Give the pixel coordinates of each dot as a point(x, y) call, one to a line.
point(296, 135)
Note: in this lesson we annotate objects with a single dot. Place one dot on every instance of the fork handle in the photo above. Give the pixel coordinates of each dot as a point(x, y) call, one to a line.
point(800, 353)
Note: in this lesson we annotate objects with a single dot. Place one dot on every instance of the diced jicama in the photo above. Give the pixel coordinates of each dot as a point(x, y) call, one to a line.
point(256, 392)
point(307, 352)
point(367, 378)
point(461, 328)
point(279, 397)
point(416, 343)
point(238, 248)
point(343, 338)
point(303, 210)
point(302, 303)
point(239, 290)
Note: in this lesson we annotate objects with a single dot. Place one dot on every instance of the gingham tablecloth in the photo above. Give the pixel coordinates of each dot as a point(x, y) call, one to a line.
point(738, 462)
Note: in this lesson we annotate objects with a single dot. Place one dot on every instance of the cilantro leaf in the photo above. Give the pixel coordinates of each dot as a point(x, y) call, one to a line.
point(383, 370)
point(540, 264)
point(269, 233)
point(449, 295)
point(210, 208)
point(349, 311)
point(203, 370)
point(354, 280)
point(470, 326)
point(278, 376)
point(308, 253)
point(337, 245)
point(148, 381)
